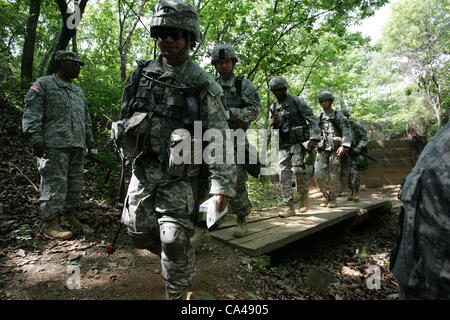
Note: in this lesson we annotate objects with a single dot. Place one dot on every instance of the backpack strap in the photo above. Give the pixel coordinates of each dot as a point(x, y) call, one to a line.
point(238, 84)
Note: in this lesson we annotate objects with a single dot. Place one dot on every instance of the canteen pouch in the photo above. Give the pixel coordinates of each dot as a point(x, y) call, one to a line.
point(131, 135)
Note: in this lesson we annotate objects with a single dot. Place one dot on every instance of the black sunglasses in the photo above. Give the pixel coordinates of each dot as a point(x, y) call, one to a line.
point(175, 34)
point(74, 63)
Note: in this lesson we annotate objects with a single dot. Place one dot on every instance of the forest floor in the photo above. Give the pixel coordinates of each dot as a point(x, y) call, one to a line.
point(33, 268)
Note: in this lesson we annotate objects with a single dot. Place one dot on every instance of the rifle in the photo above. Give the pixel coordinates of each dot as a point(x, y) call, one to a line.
point(366, 155)
point(120, 202)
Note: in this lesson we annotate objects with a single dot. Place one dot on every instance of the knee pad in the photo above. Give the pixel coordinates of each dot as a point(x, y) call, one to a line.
point(144, 240)
point(173, 240)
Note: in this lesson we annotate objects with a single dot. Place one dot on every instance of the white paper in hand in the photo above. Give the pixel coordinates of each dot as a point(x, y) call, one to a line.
point(209, 206)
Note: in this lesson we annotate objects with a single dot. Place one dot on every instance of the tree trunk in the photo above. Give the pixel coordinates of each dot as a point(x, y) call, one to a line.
point(126, 46)
point(48, 54)
point(69, 28)
point(26, 72)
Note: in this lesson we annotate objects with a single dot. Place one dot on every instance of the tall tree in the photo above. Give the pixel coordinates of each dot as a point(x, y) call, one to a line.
point(125, 43)
point(26, 73)
point(70, 21)
point(417, 37)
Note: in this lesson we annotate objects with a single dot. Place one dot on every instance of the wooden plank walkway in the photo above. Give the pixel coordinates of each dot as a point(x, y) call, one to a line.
point(269, 232)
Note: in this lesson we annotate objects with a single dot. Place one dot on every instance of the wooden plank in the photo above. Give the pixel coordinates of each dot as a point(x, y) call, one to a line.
point(273, 233)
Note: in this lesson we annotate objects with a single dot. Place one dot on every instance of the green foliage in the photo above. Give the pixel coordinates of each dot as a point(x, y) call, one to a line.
point(416, 40)
point(260, 265)
point(262, 194)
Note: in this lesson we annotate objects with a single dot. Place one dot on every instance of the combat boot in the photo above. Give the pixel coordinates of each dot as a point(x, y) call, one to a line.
point(332, 202)
point(81, 227)
point(289, 212)
point(241, 228)
point(324, 202)
point(304, 204)
point(176, 294)
point(350, 195)
point(52, 230)
point(356, 196)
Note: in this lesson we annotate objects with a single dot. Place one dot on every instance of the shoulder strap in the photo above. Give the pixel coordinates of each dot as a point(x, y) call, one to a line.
point(238, 84)
point(131, 87)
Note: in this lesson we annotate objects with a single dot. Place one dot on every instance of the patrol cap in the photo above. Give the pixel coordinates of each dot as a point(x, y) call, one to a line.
point(175, 14)
point(326, 95)
point(223, 51)
point(68, 55)
point(278, 83)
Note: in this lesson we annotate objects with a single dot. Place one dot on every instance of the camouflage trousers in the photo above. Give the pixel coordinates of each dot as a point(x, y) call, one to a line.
point(354, 175)
point(240, 204)
point(61, 174)
point(345, 174)
point(290, 161)
point(327, 170)
point(158, 212)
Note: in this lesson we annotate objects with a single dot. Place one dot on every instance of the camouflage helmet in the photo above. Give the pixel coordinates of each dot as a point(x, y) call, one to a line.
point(175, 14)
point(278, 83)
point(345, 112)
point(223, 51)
point(326, 95)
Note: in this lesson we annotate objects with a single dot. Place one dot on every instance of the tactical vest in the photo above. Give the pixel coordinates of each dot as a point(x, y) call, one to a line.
point(293, 126)
point(329, 127)
point(161, 106)
point(233, 99)
point(331, 133)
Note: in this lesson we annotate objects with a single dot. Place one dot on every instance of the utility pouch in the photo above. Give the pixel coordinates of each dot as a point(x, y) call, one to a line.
point(131, 135)
point(337, 141)
point(181, 155)
point(297, 134)
point(190, 112)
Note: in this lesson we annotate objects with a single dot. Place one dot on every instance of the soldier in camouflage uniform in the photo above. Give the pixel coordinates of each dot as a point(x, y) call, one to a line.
point(420, 259)
point(297, 124)
point(242, 100)
point(171, 92)
point(357, 161)
point(57, 120)
point(336, 140)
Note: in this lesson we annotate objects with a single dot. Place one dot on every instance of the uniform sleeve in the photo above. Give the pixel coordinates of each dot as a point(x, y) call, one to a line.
point(33, 114)
point(128, 97)
point(311, 119)
point(344, 125)
point(362, 135)
point(251, 100)
point(221, 174)
point(89, 135)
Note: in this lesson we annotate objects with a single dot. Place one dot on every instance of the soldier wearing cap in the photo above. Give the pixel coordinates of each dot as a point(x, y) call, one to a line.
point(243, 102)
point(296, 124)
point(357, 162)
point(336, 140)
point(165, 100)
point(56, 119)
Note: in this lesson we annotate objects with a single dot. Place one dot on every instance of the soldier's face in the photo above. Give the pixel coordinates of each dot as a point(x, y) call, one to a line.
point(325, 104)
point(224, 66)
point(280, 94)
point(70, 68)
point(171, 41)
